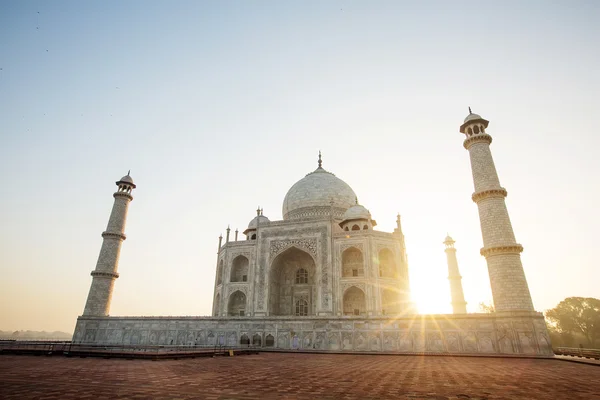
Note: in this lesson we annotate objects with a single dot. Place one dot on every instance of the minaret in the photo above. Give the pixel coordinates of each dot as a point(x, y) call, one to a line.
point(103, 281)
point(500, 249)
point(398, 231)
point(459, 305)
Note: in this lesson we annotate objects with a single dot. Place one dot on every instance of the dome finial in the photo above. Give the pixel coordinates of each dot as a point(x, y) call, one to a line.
point(128, 172)
point(356, 200)
point(470, 112)
point(258, 211)
point(320, 160)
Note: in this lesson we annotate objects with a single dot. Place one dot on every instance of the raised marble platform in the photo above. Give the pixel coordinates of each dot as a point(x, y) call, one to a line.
point(496, 333)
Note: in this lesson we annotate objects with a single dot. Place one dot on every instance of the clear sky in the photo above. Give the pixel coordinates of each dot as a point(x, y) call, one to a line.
point(218, 107)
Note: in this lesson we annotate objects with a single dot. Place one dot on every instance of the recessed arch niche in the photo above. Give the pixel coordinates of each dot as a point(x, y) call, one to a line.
point(285, 291)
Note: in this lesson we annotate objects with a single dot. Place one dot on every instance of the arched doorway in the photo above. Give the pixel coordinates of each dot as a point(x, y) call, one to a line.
point(269, 341)
point(389, 301)
point(239, 269)
point(354, 302)
point(237, 304)
point(292, 289)
point(245, 340)
point(387, 265)
point(352, 263)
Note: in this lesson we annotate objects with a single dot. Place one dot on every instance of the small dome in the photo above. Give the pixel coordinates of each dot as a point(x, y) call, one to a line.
point(472, 116)
point(258, 219)
point(448, 239)
point(127, 179)
point(357, 212)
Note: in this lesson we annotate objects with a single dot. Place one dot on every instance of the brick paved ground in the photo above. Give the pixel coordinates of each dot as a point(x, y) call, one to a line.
point(297, 376)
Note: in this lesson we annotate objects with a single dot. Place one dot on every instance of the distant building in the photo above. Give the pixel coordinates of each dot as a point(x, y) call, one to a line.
point(324, 278)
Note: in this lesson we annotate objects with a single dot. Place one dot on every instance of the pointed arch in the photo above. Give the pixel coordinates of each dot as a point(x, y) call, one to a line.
point(239, 269)
point(301, 307)
point(269, 341)
point(390, 301)
point(237, 304)
point(354, 301)
point(387, 264)
point(292, 276)
point(244, 340)
point(353, 263)
point(307, 246)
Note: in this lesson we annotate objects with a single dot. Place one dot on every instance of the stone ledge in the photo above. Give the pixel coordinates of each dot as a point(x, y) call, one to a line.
point(485, 194)
point(114, 235)
point(477, 138)
point(123, 194)
point(494, 251)
point(105, 274)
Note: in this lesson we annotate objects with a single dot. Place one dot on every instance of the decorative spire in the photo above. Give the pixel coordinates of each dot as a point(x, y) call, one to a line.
point(258, 211)
point(320, 160)
point(261, 211)
point(128, 172)
point(470, 112)
point(356, 200)
point(398, 221)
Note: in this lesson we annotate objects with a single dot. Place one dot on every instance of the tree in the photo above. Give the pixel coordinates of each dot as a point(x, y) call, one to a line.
point(577, 315)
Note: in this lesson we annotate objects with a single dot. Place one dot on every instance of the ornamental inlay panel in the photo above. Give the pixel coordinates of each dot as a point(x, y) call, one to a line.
point(346, 246)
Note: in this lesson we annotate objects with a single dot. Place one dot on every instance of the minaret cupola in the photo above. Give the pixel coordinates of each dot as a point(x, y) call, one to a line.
point(125, 184)
point(449, 242)
point(474, 125)
point(259, 220)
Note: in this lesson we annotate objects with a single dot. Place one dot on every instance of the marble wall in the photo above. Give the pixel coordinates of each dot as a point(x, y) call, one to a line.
point(509, 333)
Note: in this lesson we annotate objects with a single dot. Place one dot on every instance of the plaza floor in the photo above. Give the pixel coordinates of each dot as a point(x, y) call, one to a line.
point(297, 376)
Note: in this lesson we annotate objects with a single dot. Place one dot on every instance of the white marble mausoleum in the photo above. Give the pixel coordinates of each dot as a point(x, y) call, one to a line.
point(325, 278)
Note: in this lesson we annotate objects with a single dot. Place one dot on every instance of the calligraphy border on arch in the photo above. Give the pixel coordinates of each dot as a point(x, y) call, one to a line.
point(279, 246)
point(346, 286)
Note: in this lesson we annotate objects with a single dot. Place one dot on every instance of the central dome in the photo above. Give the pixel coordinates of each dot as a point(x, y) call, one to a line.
point(312, 196)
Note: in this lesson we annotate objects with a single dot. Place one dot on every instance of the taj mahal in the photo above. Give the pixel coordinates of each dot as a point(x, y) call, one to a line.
point(325, 279)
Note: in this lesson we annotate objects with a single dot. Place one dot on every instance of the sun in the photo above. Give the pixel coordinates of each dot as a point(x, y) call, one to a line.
point(430, 293)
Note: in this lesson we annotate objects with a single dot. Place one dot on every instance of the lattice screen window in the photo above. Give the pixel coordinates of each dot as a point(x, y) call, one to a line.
point(301, 276)
point(301, 307)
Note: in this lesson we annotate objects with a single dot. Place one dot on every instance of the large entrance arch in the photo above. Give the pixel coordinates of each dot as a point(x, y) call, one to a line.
point(292, 289)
